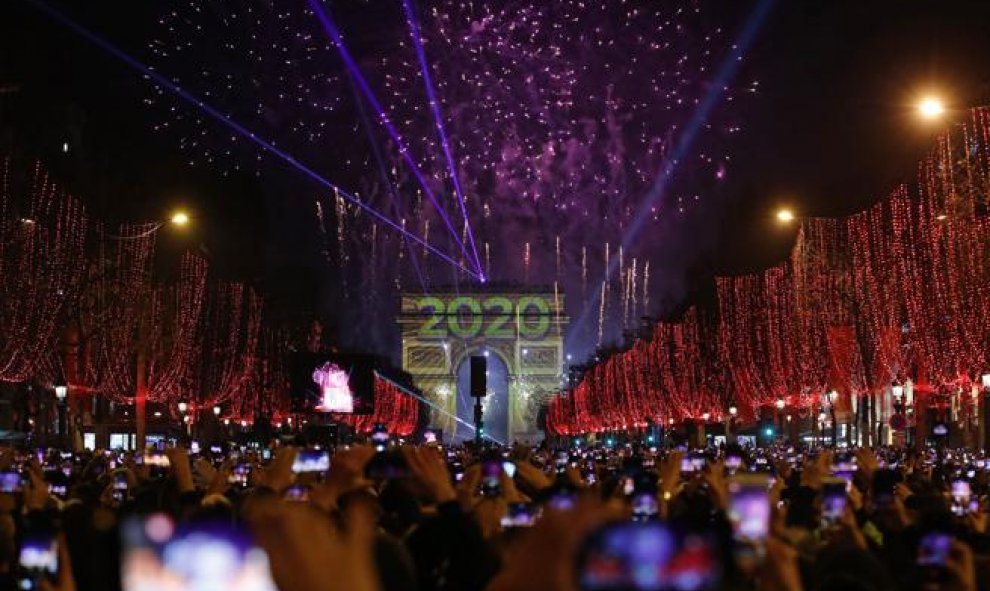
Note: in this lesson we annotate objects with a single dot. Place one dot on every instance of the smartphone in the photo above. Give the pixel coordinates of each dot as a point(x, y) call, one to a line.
point(884, 482)
point(380, 437)
point(733, 462)
point(834, 500)
point(387, 464)
point(844, 466)
point(645, 504)
point(749, 513)
point(266, 454)
point(38, 555)
point(962, 498)
point(561, 496)
point(311, 460)
point(933, 549)
point(520, 515)
point(650, 556)
point(491, 476)
point(240, 475)
point(588, 473)
point(296, 492)
point(457, 471)
point(120, 486)
point(156, 459)
point(157, 553)
point(10, 481)
point(509, 468)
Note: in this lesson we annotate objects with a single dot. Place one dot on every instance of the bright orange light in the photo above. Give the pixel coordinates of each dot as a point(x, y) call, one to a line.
point(180, 218)
point(931, 107)
point(785, 216)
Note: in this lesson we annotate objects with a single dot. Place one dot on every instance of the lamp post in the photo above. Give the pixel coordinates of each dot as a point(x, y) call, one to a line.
point(186, 422)
point(61, 394)
point(730, 416)
point(778, 418)
point(984, 410)
point(832, 396)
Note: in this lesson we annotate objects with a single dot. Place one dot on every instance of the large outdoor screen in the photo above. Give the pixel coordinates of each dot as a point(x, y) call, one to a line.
point(333, 383)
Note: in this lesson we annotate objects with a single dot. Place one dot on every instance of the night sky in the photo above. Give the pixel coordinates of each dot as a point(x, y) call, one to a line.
point(829, 132)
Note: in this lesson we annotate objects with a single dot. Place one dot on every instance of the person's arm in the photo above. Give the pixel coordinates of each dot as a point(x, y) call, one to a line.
point(449, 546)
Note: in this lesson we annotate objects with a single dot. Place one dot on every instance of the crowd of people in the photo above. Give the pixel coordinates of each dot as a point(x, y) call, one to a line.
point(385, 516)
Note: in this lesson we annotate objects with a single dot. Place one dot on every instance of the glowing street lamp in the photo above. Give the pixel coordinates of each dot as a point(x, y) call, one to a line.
point(216, 411)
point(183, 407)
point(733, 410)
point(931, 108)
point(780, 404)
point(180, 218)
point(785, 216)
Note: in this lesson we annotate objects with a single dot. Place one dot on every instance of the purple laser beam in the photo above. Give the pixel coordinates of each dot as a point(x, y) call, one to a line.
point(334, 34)
point(413, 25)
point(213, 112)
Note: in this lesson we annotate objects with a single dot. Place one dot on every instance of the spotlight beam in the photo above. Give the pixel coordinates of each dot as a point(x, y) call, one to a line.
point(230, 123)
point(436, 407)
point(431, 95)
point(727, 71)
point(334, 33)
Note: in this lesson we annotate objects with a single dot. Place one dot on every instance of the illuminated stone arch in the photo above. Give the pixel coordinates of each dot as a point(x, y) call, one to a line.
point(524, 328)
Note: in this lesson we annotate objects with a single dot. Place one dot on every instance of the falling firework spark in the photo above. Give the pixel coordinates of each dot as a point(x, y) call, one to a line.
point(559, 114)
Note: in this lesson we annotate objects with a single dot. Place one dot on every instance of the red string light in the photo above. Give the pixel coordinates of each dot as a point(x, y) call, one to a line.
point(900, 290)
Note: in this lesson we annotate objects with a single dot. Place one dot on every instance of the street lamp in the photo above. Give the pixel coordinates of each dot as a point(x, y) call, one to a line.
point(183, 407)
point(779, 404)
point(931, 108)
point(179, 218)
point(832, 396)
point(983, 410)
point(216, 411)
point(61, 393)
point(729, 418)
point(785, 215)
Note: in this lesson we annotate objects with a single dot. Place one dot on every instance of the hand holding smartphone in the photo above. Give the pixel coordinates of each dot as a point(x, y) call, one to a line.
point(749, 514)
point(38, 555)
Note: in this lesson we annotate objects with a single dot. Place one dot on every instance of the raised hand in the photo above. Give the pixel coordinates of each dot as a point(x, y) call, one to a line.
point(278, 474)
point(429, 468)
point(308, 553)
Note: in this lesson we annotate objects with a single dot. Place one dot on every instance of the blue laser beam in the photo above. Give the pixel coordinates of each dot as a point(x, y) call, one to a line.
point(227, 121)
point(334, 33)
point(726, 73)
point(436, 407)
point(431, 96)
